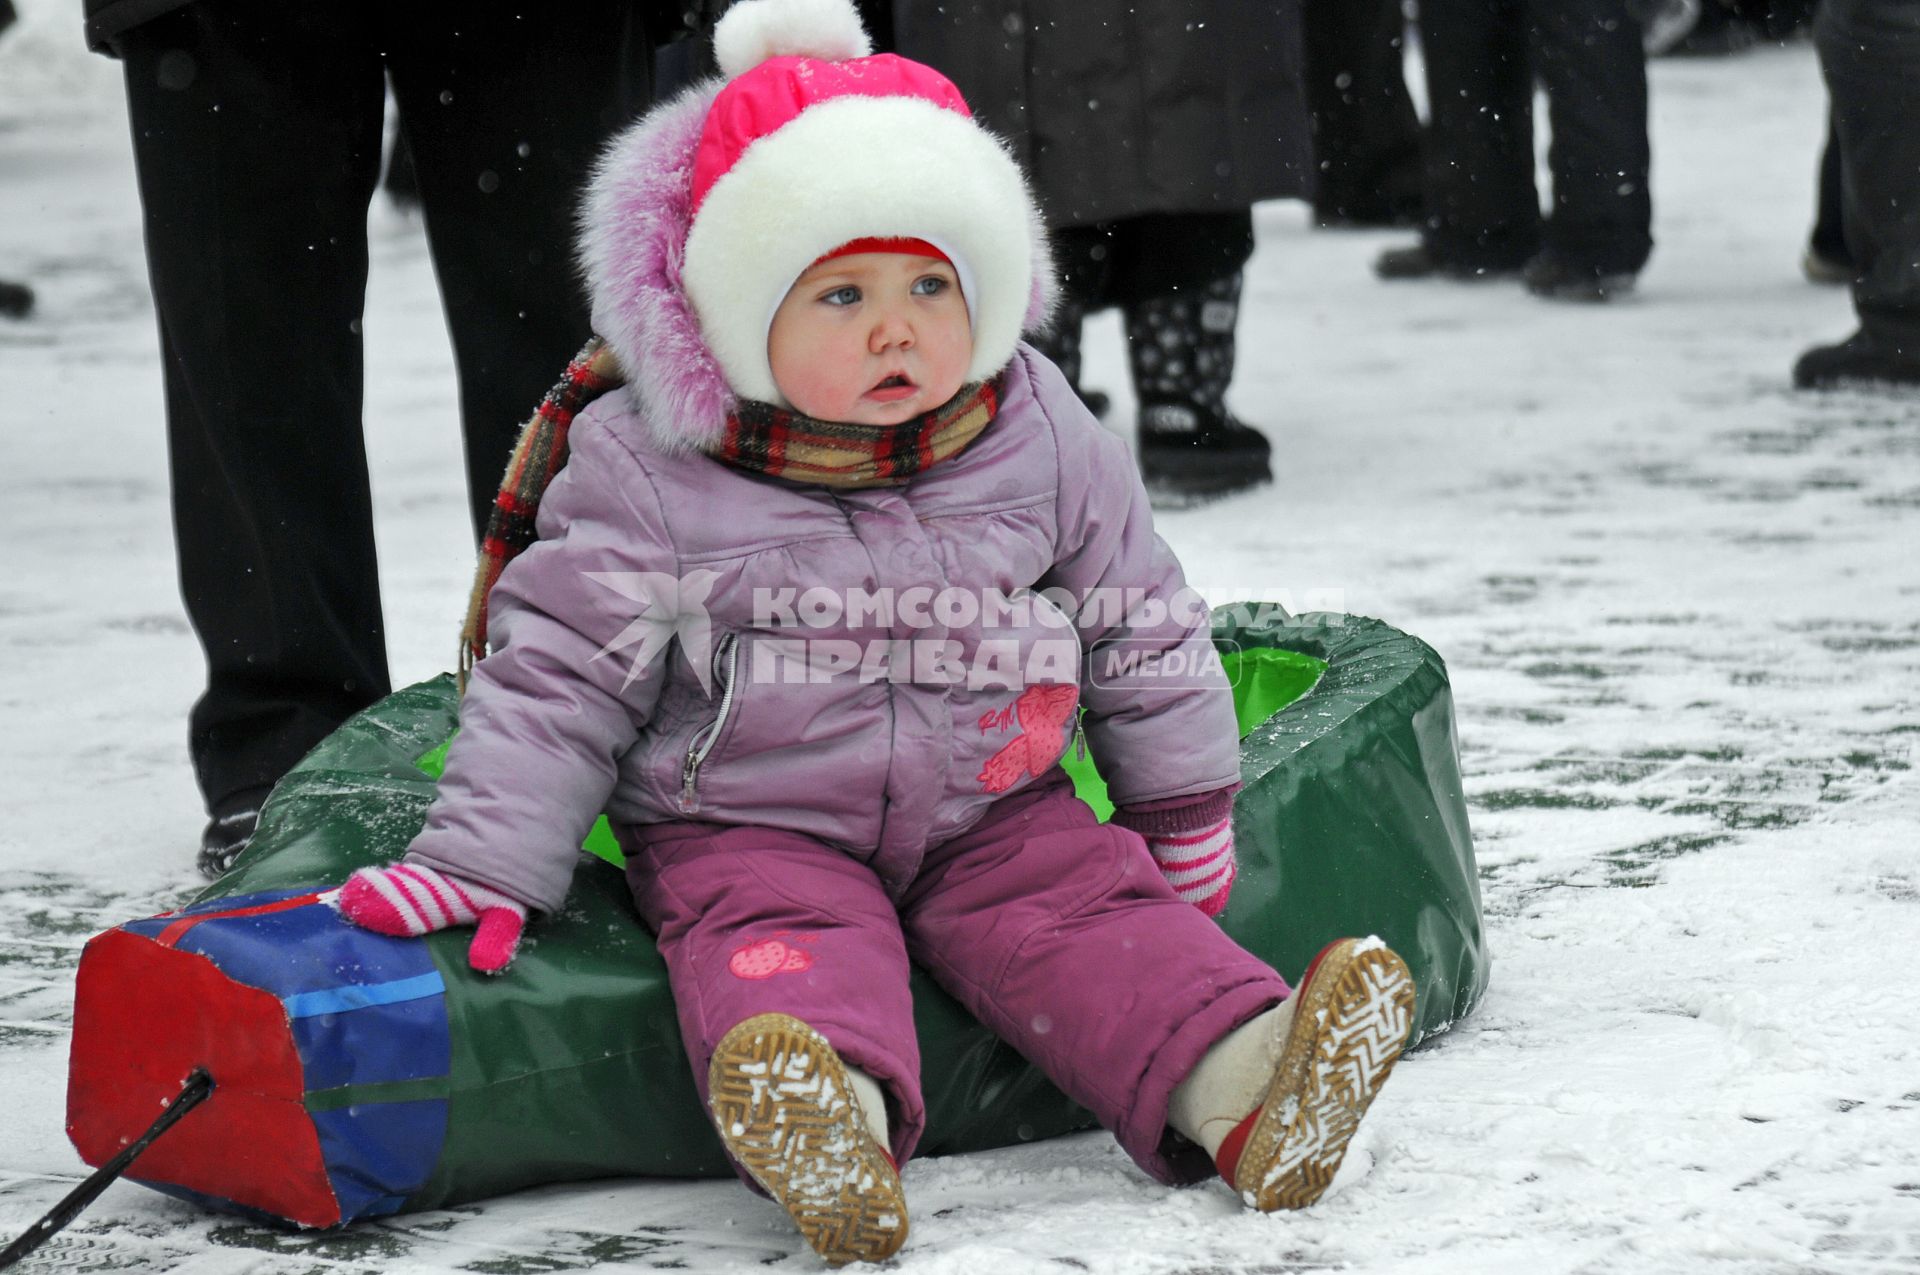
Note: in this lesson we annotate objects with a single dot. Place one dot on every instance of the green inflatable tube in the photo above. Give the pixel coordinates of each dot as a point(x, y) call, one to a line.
point(1351, 822)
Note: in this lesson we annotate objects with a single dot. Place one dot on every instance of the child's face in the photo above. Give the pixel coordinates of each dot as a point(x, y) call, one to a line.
point(875, 338)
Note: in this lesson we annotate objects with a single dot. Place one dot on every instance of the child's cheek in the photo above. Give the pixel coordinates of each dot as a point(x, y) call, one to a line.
point(819, 381)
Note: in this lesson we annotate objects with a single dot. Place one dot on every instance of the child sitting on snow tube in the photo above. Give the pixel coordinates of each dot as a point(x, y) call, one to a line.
point(816, 607)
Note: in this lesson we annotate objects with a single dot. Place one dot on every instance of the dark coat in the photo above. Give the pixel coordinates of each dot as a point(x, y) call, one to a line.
point(108, 20)
point(1123, 107)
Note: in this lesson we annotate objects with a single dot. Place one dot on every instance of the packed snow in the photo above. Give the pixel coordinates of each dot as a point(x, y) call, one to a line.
point(1681, 607)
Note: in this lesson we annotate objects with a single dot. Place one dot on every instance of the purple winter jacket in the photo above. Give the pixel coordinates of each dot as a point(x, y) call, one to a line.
point(776, 727)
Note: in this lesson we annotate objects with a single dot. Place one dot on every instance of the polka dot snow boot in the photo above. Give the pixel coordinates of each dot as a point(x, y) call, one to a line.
point(1181, 350)
point(792, 1114)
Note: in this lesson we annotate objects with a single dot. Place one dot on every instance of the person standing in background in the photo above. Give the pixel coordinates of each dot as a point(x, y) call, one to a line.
point(257, 136)
point(16, 299)
point(1149, 132)
point(1870, 55)
point(1483, 209)
point(1366, 134)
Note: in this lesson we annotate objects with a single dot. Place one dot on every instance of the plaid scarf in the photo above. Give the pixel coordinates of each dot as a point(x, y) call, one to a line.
point(771, 440)
point(537, 457)
point(761, 438)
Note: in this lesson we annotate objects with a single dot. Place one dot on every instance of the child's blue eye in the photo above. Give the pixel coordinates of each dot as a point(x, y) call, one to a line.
point(848, 295)
point(929, 285)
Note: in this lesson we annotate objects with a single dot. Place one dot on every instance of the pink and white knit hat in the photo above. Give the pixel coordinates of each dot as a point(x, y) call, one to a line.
point(815, 142)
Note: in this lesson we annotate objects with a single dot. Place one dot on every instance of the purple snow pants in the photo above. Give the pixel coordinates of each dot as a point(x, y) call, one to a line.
point(1054, 930)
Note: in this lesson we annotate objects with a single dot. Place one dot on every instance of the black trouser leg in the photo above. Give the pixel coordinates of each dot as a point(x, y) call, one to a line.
point(1870, 53)
point(1483, 209)
point(505, 111)
point(1589, 56)
point(1366, 136)
point(1084, 256)
point(1138, 258)
point(1778, 19)
point(1165, 254)
point(256, 134)
point(1829, 237)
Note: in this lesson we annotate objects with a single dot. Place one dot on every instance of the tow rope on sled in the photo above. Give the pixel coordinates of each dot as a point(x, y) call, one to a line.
point(197, 1087)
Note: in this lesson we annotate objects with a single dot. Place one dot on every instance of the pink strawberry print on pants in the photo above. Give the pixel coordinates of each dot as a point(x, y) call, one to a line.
point(764, 958)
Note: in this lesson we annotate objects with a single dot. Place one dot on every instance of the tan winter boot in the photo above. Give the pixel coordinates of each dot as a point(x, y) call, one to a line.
point(1349, 1020)
point(787, 1109)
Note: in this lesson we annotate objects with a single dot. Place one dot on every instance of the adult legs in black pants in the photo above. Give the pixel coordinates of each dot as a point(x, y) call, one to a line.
point(1870, 54)
point(1826, 259)
point(1366, 136)
point(1176, 277)
point(257, 133)
point(1483, 210)
point(501, 153)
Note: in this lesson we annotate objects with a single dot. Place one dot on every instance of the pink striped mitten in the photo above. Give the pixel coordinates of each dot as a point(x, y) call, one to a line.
point(1192, 842)
point(410, 899)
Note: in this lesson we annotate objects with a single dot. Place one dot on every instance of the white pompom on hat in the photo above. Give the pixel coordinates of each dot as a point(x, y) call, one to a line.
point(815, 142)
point(755, 31)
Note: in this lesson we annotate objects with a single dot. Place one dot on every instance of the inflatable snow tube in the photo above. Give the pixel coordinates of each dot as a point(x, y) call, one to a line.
point(358, 1075)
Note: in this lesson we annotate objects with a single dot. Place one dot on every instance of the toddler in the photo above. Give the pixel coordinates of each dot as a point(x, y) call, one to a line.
point(888, 540)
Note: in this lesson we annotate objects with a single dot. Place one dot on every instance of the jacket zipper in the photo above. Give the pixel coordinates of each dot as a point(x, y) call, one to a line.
point(1077, 743)
point(705, 738)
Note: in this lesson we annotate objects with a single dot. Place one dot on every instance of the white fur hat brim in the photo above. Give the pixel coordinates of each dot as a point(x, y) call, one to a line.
point(853, 168)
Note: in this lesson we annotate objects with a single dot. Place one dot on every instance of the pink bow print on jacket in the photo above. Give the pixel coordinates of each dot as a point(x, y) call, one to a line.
point(1046, 725)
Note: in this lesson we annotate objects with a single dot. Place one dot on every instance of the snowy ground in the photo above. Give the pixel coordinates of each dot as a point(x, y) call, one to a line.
point(1680, 603)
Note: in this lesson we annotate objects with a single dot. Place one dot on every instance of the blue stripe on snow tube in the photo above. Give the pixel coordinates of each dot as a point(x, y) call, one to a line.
point(407, 1040)
point(348, 996)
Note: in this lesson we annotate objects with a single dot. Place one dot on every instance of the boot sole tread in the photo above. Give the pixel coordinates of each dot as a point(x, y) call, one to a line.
point(1348, 1030)
point(782, 1103)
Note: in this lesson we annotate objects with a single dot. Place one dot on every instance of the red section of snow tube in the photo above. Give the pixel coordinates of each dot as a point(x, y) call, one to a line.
point(145, 1016)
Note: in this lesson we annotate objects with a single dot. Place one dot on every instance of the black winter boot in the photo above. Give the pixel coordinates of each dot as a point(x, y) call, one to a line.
point(1858, 360)
point(1558, 279)
point(1181, 351)
point(1418, 261)
point(230, 831)
point(16, 299)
